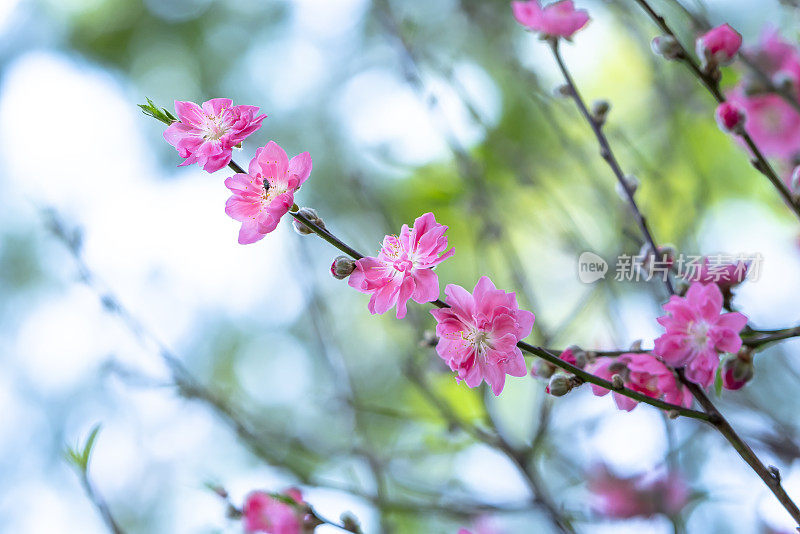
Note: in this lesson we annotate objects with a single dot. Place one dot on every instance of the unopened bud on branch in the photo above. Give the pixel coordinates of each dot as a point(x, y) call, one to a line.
point(311, 215)
point(560, 385)
point(730, 118)
point(563, 90)
point(667, 47)
point(342, 266)
point(631, 183)
point(600, 109)
point(617, 382)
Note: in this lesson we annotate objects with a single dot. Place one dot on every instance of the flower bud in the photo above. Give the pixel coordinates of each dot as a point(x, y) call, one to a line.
point(631, 183)
point(600, 109)
point(718, 46)
point(617, 382)
point(736, 372)
point(560, 385)
point(730, 118)
point(667, 47)
point(312, 216)
point(542, 369)
point(342, 266)
point(563, 90)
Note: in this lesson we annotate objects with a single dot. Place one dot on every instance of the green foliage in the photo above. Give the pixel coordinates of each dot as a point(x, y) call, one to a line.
point(161, 114)
point(80, 455)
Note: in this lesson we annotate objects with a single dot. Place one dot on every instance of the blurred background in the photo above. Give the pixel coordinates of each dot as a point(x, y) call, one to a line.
point(125, 299)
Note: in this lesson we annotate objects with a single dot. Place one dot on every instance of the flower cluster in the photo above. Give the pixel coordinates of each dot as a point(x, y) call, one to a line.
point(772, 122)
point(641, 372)
point(207, 134)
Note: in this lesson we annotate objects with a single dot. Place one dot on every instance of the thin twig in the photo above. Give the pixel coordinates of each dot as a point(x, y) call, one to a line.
point(712, 85)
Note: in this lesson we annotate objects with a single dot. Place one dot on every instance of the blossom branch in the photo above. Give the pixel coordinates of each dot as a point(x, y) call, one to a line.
point(260, 444)
point(700, 23)
point(712, 414)
point(531, 349)
point(712, 85)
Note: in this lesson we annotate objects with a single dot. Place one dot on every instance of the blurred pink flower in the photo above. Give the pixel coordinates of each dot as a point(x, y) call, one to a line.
point(478, 334)
point(404, 267)
point(262, 196)
point(772, 122)
point(725, 274)
point(544, 369)
point(643, 373)
point(264, 513)
point(696, 331)
point(719, 45)
point(642, 495)
point(482, 525)
point(206, 135)
point(559, 19)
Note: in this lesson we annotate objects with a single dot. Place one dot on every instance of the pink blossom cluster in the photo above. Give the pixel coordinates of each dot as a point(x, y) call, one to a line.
point(772, 122)
point(206, 134)
point(643, 495)
point(641, 372)
point(265, 513)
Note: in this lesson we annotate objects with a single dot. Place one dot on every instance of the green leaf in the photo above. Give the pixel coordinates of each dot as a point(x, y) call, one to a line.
point(79, 456)
point(162, 114)
point(718, 381)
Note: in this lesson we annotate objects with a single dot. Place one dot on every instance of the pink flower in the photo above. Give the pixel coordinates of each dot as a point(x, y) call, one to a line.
point(264, 513)
point(725, 274)
point(206, 135)
point(696, 331)
point(559, 19)
point(404, 267)
point(772, 122)
point(719, 45)
point(643, 373)
point(730, 117)
point(478, 334)
point(262, 196)
point(643, 495)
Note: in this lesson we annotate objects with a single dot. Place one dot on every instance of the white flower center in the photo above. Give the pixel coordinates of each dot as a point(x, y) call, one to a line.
point(698, 333)
point(214, 128)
